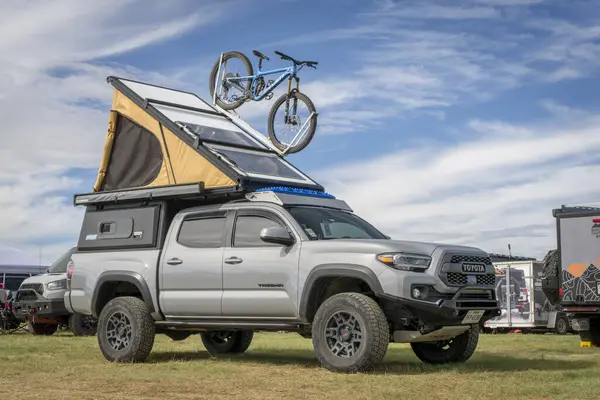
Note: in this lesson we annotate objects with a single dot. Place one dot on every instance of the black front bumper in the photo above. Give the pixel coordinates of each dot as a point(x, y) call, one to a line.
point(26, 308)
point(439, 311)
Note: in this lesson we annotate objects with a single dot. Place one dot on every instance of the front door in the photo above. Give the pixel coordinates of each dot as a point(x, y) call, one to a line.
point(259, 279)
point(192, 267)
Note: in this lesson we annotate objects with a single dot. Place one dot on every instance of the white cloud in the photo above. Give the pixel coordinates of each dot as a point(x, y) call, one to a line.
point(487, 191)
point(54, 100)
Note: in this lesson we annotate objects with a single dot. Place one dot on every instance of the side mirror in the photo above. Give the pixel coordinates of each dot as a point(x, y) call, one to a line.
point(278, 235)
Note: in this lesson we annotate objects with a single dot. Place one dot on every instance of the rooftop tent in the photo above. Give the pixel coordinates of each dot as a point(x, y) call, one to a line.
point(161, 137)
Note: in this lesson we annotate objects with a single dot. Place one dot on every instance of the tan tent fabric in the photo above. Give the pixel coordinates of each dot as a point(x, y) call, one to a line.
point(112, 125)
point(181, 163)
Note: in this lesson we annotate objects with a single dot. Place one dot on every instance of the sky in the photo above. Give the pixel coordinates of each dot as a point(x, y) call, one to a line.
point(462, 122)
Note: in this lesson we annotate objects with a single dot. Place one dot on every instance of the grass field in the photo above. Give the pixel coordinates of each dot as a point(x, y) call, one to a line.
point(281, 366)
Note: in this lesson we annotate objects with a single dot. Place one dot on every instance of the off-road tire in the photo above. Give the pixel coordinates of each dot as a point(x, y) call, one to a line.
point(213, 77)
point(77, 327)
point(310, 132)
point(460, 349)
point(374, 329)
point(550, 268)
point(561, 327)
point(142, 330)
point(42, 329)
point(237, 342)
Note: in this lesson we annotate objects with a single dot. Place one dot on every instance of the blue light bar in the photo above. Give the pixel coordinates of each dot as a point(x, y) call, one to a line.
point(292, 190)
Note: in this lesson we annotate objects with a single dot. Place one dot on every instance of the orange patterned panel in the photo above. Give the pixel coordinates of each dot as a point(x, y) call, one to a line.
point(577, 269)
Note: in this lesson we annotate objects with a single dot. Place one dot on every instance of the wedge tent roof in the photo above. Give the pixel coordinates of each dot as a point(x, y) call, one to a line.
point(160, 137)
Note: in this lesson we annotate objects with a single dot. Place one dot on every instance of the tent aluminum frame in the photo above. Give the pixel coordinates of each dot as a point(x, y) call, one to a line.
point(246, 180)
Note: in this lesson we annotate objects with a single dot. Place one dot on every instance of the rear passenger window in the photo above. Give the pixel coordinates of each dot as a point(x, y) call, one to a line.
point(202, 232)
point(248, 228)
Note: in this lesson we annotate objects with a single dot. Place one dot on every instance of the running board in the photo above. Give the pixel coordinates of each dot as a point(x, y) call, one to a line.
point(444, 333)
point(216, 324)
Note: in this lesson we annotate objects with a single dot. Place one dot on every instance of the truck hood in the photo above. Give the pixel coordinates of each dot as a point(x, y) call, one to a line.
point(377, 246)
point(45, 278)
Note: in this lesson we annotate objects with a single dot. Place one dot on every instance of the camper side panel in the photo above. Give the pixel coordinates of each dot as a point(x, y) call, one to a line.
point(579, 244)
point(120, 228)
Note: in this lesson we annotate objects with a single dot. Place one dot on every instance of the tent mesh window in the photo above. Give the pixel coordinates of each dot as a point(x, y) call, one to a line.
point(136, 157)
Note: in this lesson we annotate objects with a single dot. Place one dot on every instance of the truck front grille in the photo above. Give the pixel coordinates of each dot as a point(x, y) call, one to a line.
point(38, 287)
point(458, 279)
point(471, 259)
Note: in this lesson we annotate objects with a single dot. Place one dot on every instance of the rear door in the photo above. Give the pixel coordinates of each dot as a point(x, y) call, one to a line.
point(259, 279)
point(191, 271)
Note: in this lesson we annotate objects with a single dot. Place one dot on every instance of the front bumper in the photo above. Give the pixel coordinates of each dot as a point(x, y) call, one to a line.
point(448, 310)
point(26, 307)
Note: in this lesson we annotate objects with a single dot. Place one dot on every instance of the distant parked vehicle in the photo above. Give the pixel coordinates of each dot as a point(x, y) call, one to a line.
point(39, 301)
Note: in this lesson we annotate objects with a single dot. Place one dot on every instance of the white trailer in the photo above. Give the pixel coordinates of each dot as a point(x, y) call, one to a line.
point(523, 304)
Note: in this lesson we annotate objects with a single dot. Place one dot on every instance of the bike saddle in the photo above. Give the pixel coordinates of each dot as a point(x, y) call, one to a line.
point(260, 55)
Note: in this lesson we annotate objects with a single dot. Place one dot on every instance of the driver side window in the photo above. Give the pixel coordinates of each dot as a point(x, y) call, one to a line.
point(248, 228)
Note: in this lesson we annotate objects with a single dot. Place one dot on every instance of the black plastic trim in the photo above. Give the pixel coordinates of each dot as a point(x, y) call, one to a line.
point(337, 270)
point(122, 276)
point(440, 312)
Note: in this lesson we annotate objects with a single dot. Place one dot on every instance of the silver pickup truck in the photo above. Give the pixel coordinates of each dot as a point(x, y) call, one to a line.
point(274, 261)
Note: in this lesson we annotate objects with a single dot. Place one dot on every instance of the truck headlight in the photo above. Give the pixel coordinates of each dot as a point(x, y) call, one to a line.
point(405, 261)
point(57, 285)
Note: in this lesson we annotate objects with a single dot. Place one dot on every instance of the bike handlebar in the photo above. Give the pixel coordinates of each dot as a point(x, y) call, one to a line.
point(311, 64)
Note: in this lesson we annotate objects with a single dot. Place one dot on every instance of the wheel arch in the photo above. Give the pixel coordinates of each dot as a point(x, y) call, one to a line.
point(113, 284)
point(343, 275)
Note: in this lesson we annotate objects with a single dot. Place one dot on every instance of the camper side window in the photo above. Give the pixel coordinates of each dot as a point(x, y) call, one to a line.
point(202, 232)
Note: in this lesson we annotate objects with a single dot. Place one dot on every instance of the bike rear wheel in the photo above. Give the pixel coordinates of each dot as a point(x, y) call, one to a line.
point(223, 98)
point(292, 122)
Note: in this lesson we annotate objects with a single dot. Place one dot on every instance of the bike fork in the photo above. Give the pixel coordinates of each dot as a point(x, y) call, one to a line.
point(295, 100)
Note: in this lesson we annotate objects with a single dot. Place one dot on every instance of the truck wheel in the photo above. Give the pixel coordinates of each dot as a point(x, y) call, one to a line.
point(562, 325)
point(456, 350)
point(221, 342)
point(350, 333)
point(83, 325)
point(42, 329)
point(126, 330)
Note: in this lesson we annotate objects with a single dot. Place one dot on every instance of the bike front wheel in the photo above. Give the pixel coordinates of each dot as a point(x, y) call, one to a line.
point(292, 122)
point(231, 92)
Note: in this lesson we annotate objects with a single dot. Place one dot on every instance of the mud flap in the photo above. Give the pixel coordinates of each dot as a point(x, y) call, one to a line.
point(552, 319)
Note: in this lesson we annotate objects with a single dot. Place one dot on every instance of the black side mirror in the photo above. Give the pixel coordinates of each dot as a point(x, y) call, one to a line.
point(278, 235)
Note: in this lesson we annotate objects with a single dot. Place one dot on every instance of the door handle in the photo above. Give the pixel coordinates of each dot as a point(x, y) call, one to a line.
point(233, 260)
point(174, 261)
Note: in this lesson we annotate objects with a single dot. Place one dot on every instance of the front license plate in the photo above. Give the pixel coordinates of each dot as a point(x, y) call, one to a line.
point(473, 317)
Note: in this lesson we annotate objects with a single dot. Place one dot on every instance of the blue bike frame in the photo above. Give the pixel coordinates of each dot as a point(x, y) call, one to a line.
point(285, 73)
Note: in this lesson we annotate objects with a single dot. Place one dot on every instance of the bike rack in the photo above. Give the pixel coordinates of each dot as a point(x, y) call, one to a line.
point(240, 123)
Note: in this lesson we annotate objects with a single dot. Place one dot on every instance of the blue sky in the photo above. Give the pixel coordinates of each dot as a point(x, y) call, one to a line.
point(463, 122)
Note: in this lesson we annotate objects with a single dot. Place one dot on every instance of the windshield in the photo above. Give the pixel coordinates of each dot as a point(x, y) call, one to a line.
point(327, 224)
point(60, 266)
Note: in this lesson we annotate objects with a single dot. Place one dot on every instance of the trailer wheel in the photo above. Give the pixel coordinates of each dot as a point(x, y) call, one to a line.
point(561, 327)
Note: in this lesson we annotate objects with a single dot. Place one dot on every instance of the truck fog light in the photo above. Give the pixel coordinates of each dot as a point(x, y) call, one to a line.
point(416, 293)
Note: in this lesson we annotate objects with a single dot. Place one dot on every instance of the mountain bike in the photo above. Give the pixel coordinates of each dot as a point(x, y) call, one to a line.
point(253, 87)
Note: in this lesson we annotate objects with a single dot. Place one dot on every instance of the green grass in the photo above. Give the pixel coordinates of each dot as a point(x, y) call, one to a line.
point(284, 366)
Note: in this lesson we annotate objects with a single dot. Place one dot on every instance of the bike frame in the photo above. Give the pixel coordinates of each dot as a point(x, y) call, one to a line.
point(286, 73)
